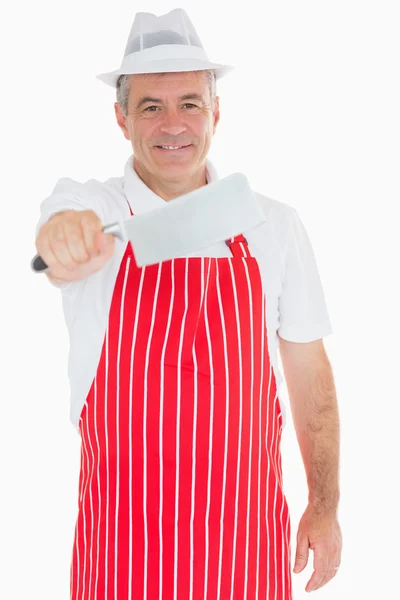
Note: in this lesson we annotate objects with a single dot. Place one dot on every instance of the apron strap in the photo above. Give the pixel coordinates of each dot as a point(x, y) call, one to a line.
point(238, 246)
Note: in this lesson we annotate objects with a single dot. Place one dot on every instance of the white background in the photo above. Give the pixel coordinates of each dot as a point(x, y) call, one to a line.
point(311, 116)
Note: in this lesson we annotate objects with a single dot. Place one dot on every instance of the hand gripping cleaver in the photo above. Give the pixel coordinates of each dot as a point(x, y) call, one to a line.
point(212, 213)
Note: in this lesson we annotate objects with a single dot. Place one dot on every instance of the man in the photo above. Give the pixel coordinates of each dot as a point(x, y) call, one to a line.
point(173, 367)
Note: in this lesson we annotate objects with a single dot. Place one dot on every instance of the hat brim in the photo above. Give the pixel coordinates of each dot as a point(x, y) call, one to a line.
point(169, 65)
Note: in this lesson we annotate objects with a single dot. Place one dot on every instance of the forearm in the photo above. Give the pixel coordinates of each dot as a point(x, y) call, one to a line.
point(316, 419)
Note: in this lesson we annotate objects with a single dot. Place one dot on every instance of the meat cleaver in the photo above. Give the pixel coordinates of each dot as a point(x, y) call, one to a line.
point(212, 213)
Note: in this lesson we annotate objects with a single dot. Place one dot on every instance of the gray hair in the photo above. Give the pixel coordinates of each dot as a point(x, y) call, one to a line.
point(124, 81)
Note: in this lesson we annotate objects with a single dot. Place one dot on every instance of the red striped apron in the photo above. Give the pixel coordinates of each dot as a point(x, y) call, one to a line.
point(180, 486)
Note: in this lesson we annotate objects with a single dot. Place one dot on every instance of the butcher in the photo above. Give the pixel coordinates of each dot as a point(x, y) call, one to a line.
point(173, 366)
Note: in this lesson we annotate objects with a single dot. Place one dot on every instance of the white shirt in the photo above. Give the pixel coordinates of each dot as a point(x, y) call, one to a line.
point(295, 301)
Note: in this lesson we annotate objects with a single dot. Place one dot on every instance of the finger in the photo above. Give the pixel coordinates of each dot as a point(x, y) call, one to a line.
point(48, 256)
point(77, 241)
point(57, 245)
point(321, 566)
point(302, 551)
point(330, 574)
point(93, 238)
point(332, 571)
point(106, 241)
point(101, 242)
point(60, 246)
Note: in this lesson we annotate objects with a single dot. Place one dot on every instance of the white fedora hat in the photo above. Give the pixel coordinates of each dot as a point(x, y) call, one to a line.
point(164, 44)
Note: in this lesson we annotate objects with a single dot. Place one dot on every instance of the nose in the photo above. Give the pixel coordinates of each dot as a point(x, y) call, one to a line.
point(172, 123)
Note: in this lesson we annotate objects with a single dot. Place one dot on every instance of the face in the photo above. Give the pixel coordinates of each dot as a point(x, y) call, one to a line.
point(169, 109)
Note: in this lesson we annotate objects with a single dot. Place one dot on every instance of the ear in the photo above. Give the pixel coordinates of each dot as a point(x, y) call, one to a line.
point(216, 114)
point(121, 120)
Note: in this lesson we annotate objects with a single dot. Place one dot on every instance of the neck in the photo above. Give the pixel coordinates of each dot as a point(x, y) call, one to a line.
point(169, 188)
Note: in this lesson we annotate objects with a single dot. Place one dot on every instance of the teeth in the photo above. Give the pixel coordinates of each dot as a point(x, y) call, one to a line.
point(172, 147)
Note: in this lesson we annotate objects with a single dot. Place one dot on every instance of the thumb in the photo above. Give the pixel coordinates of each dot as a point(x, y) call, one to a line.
point(302, 551)
point(103, 241)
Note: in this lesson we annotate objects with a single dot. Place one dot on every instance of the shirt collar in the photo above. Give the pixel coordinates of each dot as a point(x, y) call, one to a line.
point(141, 198)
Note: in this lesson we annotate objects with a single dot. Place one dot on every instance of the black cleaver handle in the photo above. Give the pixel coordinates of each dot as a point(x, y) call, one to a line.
point(39, 266)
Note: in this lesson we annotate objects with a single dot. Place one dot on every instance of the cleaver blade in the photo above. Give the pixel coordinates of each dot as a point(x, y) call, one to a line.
point(212, 213)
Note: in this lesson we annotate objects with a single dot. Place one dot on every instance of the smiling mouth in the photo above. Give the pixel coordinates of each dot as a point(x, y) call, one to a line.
point(177, 149)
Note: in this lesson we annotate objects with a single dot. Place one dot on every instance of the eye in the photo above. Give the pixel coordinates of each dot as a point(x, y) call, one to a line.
point(154, 106)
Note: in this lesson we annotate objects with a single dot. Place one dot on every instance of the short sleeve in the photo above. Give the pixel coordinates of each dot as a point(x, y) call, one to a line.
point(303, 314)
point(67, 194)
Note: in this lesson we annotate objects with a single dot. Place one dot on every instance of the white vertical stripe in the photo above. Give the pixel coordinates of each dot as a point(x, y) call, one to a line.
point(178, 421)
point(84, 520)
point(130, 460)
point(273, 460)
point(268, 453)
point(260, 439)
point(133, 346)
point(286, 545)
point(240, 426)
point(78, 571)
point(71, 572)
point(251, 420)
point(226, 362)
point(98, 487)
point(288, 557)
point(91, 508)
point(121, 324)
point(107, 463)
point(161, 421)
point(195, 393)
point(283, 544)
point(146, 535)
point(211, 419)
